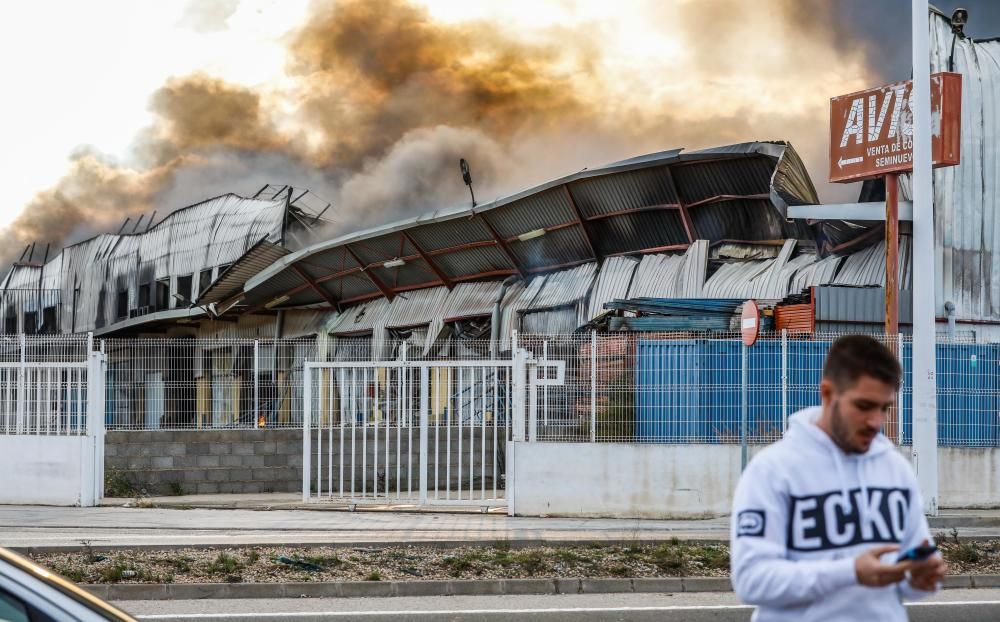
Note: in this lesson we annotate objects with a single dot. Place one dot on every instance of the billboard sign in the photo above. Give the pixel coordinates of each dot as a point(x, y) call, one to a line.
point(871, 132)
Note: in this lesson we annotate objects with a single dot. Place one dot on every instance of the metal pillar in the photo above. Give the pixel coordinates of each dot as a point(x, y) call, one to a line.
point(924, 363)
point(891, 254)
point(744, 405)
point(593, 386)
point(784, 379)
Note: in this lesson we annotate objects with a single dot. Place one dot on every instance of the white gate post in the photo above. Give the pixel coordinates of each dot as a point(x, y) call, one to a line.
point(532, 403)
point(593, 386)
point(306, 433)
point(92, 480)
point(256, 382)
point(20, 389)
point(424, 416)
point(519, 372)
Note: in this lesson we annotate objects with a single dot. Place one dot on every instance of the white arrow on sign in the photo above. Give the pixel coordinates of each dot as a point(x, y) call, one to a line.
point(841, 162)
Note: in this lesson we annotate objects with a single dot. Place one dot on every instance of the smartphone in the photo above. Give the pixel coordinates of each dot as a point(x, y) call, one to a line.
point(917, 553)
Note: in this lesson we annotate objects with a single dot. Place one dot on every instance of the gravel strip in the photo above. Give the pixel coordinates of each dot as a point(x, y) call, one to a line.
point(270, 564)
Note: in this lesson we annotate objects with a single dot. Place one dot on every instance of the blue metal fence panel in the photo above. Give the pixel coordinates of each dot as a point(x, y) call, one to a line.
point(667, 392)
point(690, 390)
point(721, 390)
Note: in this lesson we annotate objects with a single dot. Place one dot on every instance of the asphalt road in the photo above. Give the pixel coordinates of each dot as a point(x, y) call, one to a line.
point(949, 606)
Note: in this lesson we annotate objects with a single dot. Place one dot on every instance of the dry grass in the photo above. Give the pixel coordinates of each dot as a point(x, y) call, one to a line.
point(409, 563)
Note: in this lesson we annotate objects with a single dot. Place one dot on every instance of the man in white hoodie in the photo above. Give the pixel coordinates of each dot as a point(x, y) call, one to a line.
point(819, 518)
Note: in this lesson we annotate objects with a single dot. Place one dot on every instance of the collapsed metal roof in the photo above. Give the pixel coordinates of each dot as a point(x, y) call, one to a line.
point(653, 203)
point(110, 281)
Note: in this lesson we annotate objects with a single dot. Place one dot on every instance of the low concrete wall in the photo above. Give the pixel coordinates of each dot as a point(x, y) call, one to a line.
point(661, 481)
point(164, 462)
point(47, 470)
point(624, 480)
point(968, 477)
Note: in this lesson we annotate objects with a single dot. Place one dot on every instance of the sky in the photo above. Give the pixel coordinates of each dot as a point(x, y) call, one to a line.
point(114, 108)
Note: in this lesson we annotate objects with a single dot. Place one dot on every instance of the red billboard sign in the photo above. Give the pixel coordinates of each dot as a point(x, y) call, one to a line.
point(871, 132)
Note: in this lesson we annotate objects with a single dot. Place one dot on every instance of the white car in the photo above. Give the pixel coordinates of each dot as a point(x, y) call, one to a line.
point(30, 593)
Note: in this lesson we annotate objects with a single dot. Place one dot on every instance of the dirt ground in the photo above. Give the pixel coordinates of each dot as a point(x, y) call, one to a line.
point(268, 564)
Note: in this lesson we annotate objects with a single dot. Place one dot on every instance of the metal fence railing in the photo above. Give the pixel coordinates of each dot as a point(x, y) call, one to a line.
point(618, 387)
point(689, 388)
point(44, 384)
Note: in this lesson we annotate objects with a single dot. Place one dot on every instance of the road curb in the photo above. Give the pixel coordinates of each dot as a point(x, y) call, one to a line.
point(496, 587)
point(962, 522)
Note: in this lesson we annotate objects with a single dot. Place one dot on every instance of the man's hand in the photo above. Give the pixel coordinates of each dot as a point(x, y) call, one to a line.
point(873, 573)
point(926, 574)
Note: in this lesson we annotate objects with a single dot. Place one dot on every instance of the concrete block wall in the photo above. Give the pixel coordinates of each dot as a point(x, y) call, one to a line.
point(207, 461)
point(164, 462)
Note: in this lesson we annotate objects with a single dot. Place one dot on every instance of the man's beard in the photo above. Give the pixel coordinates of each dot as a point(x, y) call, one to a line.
point(842, 433)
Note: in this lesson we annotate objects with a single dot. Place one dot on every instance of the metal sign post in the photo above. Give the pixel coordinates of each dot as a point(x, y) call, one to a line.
point(749, 330)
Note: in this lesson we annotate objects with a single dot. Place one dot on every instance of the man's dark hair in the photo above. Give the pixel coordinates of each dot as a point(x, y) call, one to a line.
point(854, 356)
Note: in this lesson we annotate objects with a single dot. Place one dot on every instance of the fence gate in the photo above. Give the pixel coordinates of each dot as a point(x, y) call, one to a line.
point(52, 428)
point(414, 432)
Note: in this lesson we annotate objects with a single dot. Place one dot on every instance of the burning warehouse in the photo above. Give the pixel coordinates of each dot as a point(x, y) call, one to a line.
point(730, 223)
point(706, 223)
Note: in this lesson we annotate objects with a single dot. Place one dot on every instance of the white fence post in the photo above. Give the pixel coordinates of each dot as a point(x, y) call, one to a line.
point(545, 387)
point(518, 388)
point(784, 379)
point(20, 389)
point(593, 386)
point(256, 382)
point(899, 393)
point(92, 480)
point(532, 375)
point(306, 433)
point(425, 388)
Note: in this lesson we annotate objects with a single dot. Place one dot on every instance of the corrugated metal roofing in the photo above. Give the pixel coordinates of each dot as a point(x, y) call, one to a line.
point(672, 276)
point(612, 282)
point(564, 287)
point(360, 318)
point(859, 304)
point(628, 206)
point(471, 299)
point(205, 236)
point(551, 321)
point(656, 274)
point(867, 267)
point(967, 196)
point(229, 283)
point(815, 273)
point(794, 318)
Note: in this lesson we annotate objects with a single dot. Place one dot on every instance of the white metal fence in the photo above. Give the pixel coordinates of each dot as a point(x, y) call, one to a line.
point(51, 420)
point(44, 385)
point(619, 387)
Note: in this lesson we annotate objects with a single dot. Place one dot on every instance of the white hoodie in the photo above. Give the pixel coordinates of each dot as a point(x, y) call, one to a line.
point(795, 535)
